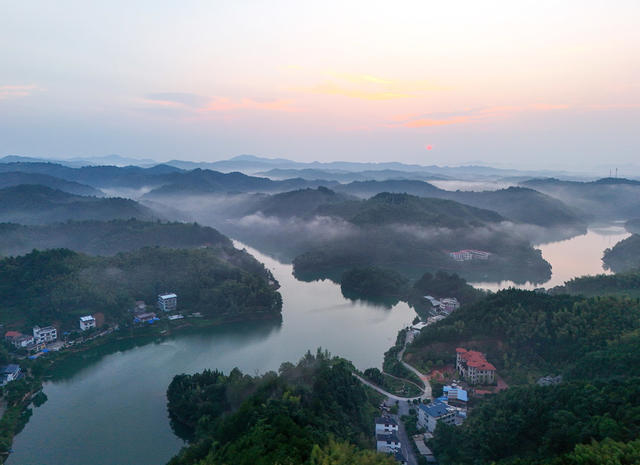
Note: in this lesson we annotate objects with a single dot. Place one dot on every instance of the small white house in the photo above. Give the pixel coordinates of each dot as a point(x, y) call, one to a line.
point(87, 322)
point(46, 334)
point(167, 302)
point(387, 442)
point(386, 425)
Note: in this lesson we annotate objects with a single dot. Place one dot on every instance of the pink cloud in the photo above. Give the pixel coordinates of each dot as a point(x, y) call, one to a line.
point(227, 104)
point(16, 91)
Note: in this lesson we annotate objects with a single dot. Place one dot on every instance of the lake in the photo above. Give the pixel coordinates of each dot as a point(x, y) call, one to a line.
point(109, 407)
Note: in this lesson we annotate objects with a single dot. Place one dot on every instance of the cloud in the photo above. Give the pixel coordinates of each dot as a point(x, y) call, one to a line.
point(177, 98)
point(16, 91)
point(201, 104)
point(227, 104)
point(445, 119)
point(369, 87)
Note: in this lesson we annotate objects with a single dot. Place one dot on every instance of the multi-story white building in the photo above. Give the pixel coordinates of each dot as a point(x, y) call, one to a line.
point(387, 442)
point(386, 425)
point(449, 304)
point(87, 322)
point(430, 415)
point(46, 334)
point(167, 302)
point(474, 368)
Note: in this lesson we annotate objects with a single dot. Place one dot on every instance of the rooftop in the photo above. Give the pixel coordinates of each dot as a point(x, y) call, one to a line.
point(9, 369)
point(475, 359)
point(385, 421)
point(12, 334)
point(167, 296)
point(436, 409)
point(87, 318)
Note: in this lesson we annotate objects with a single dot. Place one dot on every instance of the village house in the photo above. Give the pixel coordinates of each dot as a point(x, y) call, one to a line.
point(167, 302)
point(43, 335)
point(387, 442)
point(456, 396)
point(87, 322)
point(145, 317)
point(474, 368)
point(386, 425)
point(18, 340)
point(449, 304)
point(9, 373)
point(430, 415)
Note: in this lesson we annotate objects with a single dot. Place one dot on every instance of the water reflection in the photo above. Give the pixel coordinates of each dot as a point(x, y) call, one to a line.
point(570, 258)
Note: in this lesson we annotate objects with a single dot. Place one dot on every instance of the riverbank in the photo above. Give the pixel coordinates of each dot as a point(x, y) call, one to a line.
point(45, 367)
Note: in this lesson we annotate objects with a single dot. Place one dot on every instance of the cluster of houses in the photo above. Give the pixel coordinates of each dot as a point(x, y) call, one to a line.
point(387, 440)
point(450, 408)
point(32, 343)
point(469, 254)
point(445, 306)
point(167, 302)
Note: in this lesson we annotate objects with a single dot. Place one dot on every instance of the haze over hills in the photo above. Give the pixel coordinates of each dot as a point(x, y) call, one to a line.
point(607, 198)
point(35, 204)
point(8, 179)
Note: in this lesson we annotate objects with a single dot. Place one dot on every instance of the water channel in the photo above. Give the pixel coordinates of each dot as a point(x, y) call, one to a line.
point(109, 407)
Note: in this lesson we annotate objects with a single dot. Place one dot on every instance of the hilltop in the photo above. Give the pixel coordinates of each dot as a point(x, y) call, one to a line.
point(9, 179)
point(58, 286)
point(35, 204)
point(624, 256)
point(106, 237)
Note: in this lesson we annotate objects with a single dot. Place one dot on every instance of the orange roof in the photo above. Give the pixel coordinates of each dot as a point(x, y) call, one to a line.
point(12, 334)
point(475, 359)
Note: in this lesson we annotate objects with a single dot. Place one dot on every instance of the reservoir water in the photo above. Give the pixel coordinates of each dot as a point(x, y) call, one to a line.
point(109, 407)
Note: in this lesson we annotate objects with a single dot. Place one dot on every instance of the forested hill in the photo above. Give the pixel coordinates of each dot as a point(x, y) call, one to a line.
point(35, 204)
point(527, 334)
point(58, 286)
point(387, 208)
point(302, 203)
point(106, 237)
point(624, 256)
point(590, 418)
point(8, 179)
point(621, 284)
point(312, 413)
point(515, 203)
point(605, 199)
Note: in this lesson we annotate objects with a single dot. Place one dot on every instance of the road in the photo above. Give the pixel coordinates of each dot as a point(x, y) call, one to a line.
point(383, 392)
point(426, 394)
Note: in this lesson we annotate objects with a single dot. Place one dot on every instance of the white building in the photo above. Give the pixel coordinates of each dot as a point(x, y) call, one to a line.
point(430, 415)
point(46, 334)
point(167, 302)
point(474, 368)
point(386, 425)
point(87, 322)
point(9, 373)
point(449, 304)
point(387, 442)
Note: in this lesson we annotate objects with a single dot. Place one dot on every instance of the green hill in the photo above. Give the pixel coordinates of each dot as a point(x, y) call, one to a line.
point(624, 256)
point(35, 204)
point(57, 286)
point(106, 237)
point(9, 179)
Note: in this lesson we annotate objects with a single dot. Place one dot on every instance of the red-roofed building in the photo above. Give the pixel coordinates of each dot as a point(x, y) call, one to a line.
point(474, 368)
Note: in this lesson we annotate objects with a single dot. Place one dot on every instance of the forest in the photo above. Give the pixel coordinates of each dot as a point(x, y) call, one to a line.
point(624, 256)
point(313, 412)
point(527, 334)
point(107, 237)
point(621, 284)
point(59, 285)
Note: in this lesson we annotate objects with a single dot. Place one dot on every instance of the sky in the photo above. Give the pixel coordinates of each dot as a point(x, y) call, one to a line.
point(511, 83)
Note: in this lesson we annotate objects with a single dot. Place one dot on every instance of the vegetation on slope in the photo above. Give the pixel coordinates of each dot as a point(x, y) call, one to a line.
point(624, 256)
point(107, 237)
point(58, 285)
point(621, 284)
point(34, 204)
point(527, 334)
point(293, 417)
point(372, 282)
